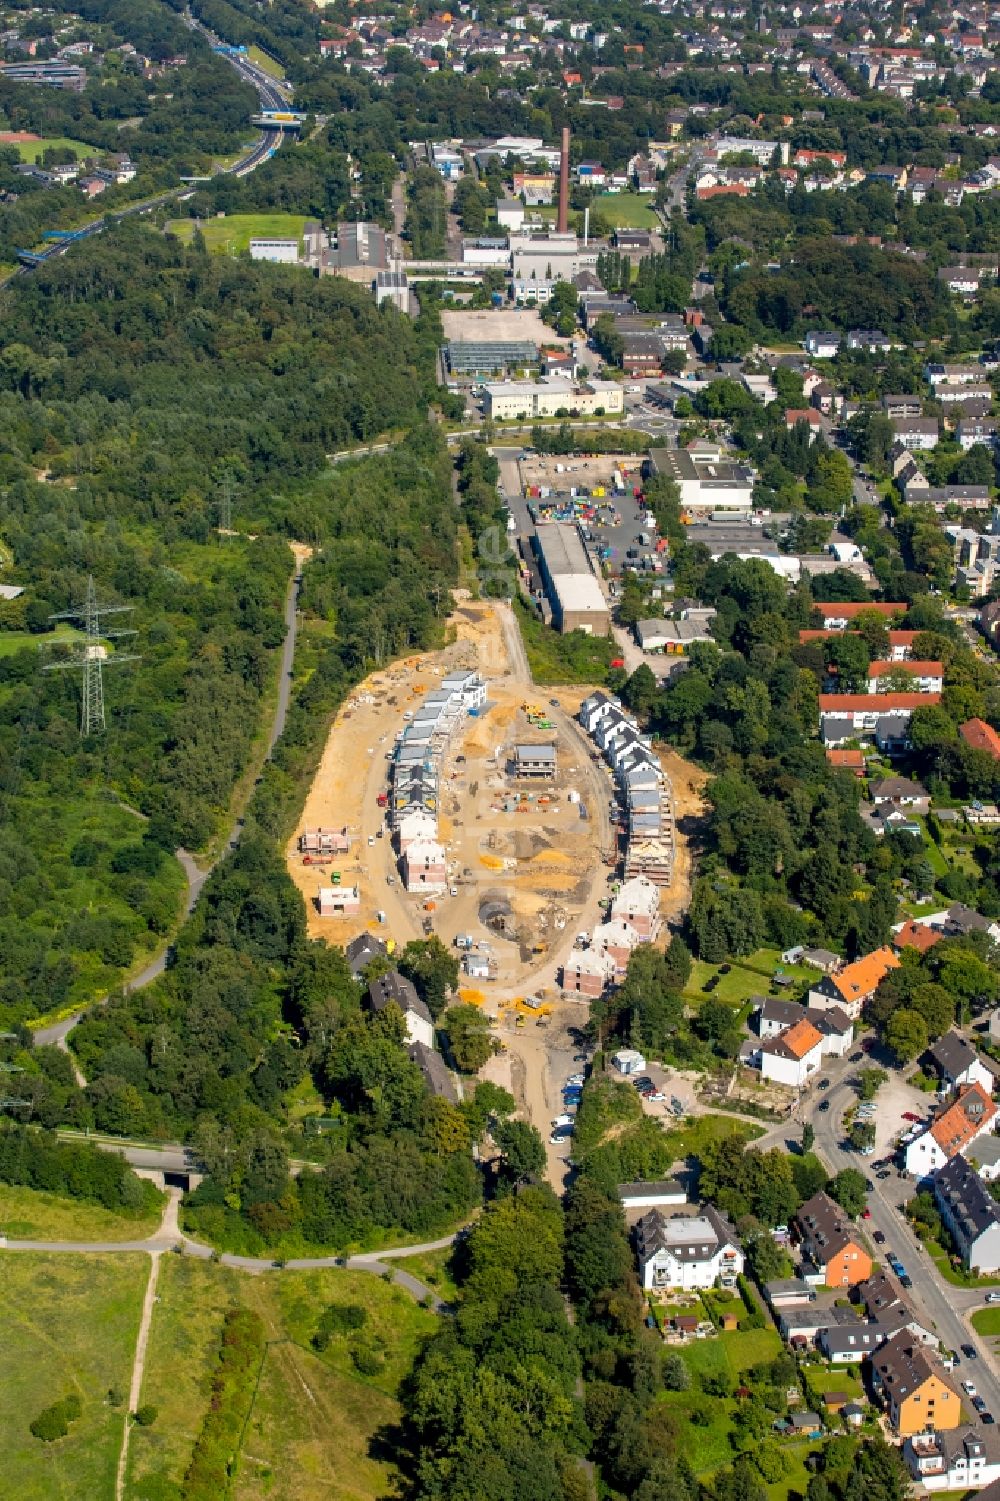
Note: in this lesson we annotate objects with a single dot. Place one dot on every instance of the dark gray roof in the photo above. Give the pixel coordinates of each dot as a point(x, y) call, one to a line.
point(962, 1196)
point(664, 1186)
point(438, 1079)
point(785, 1013)
point(392, 986)
point(952, 1054)
point(362, 950)
point(860, 1338)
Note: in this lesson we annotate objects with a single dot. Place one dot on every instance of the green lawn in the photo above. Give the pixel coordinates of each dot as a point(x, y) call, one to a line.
point(434, 1268)
point(746, 978)
point(627, 210)
point(939, 1256)
point(986, 1320)
point(12, 642)
point(266, 64)
point(312, 1430)
point(69, 1325)
point(30, 151)
point(691, 1139)
point(703, 1425)
point(232, 233)
point(28, 1214)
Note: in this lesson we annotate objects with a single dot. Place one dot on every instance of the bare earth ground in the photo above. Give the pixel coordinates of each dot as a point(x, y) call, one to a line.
point(490, 324)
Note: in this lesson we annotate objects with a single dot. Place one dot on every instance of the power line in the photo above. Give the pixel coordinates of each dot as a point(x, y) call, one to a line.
point(92, 657)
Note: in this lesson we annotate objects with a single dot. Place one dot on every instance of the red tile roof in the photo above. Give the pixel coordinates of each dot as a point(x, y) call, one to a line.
point(850, 703)
point(981, 736)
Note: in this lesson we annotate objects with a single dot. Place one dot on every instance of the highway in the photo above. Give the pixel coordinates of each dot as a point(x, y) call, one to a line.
point(262, 149)
point(943, 1306)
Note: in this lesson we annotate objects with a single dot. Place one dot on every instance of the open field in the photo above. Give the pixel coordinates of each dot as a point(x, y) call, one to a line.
point(626, 210)
point(314, 1417)
point(11, 642)
point(28, 1214)
point(231, 233)
point(70, 1325)
point(31, 151)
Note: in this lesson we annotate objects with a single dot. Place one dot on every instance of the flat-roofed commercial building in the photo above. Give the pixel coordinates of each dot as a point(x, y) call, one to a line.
point(706, 479)
point(576, 597)
point(511, 400)
point(470, 357)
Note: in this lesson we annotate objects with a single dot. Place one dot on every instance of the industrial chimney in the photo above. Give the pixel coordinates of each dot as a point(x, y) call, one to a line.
point(562, 222)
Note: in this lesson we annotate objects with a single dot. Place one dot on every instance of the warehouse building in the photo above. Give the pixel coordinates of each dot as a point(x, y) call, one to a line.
point(706, 478)
point(576, 597)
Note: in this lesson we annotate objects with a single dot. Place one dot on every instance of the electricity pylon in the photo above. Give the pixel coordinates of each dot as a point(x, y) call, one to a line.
point(92, 656)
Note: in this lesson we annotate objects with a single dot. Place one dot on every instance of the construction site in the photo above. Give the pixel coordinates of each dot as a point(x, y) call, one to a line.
point(511, 795)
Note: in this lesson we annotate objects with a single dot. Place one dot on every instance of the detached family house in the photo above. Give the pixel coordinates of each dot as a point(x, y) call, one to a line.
point(793, 1057)
point(687, 1251)
point(957, 1063)
point(831, 1242)
point(852, 987)
point(393, 988)
point(953, 1130)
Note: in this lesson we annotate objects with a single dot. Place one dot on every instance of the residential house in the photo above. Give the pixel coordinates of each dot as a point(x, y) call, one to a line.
point(884, 717)
point(957, 1062)
point(981, 736)
point(831, 1242)
point(953, 1130)
point(687, 1251)
point(638, 902)
point(915, 935)
point(586, 973)
point(338, 901)
point(822, 345)
point(845, 1344)
point(361, 951)
point(794, 1056)
point(971, 1215)
point(852, 987)
point(963, 1459)
point(437, 1075)
point(899, 790)
point(916, 433)
point(392, 988)
point(915, 1388)
point(838, 615)
point(425, 866)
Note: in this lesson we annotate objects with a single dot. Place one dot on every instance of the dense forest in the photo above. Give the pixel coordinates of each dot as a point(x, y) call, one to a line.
point(139, 382)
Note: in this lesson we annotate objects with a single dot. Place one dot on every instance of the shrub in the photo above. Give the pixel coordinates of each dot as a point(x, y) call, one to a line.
point(338, 1318)
point(146, 1415)
point(368, 1358)
point(53, 1422)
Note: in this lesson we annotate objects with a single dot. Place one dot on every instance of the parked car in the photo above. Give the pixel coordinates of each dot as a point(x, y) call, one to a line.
point(866, 1213)
point(823, 1084)
point(970, 1352)
point(885, 1173)
point(656, 1096)
point(574, 1079)
point(908, 1115)
point(869, 1185)
point(856, 1057)
point(558, 1137)
point(979, 1404)
point(969, 1388)
point(676, 1105)
point(987, 1417)
point(824, 1105)
point(905, 1280)
point(993, 1297)
point(878, 1237)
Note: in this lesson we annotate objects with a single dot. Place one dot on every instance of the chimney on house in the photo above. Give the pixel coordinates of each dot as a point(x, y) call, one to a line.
point(562, 222)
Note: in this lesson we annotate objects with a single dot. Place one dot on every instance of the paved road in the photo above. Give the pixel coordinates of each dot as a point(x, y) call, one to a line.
point(945, 1307)
point(196, 877)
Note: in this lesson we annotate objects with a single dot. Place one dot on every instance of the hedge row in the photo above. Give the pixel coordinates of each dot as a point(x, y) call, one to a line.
point(241, 1352)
